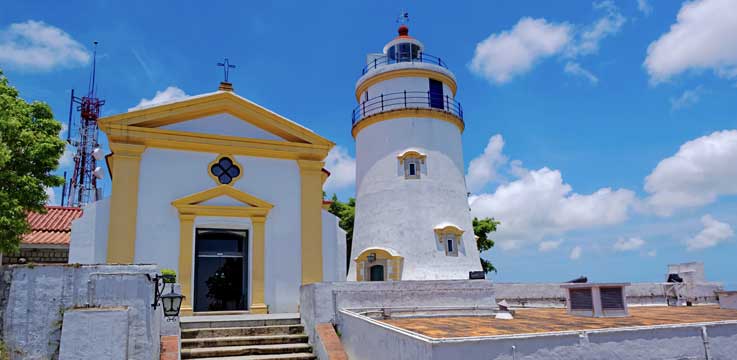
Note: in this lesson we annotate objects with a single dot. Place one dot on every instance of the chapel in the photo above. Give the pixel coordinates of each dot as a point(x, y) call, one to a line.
point(226, 193)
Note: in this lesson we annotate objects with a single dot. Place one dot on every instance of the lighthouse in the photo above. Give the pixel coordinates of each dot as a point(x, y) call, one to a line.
point(412, 219)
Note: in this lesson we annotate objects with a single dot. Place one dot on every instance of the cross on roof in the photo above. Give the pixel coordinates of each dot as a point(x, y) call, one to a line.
point(226, 68)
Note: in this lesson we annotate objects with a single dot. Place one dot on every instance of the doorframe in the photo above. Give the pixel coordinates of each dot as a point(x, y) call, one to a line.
point(208, 223)
point(254, 209)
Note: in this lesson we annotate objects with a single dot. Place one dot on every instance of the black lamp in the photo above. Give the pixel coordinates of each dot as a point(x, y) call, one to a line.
point(171, 302)
point(372, 257)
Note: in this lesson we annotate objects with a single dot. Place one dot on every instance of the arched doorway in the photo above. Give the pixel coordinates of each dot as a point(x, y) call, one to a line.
point(376, 273)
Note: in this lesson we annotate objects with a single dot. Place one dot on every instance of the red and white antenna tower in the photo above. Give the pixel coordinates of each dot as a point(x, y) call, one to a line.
point(82, 188)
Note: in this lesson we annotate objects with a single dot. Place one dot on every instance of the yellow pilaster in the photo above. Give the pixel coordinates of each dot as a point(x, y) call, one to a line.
point(121, 242)
point(186, 244)
point(311, 179)
point(258, 305)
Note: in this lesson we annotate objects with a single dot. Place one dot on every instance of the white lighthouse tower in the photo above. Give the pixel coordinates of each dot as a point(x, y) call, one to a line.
point(412, 218)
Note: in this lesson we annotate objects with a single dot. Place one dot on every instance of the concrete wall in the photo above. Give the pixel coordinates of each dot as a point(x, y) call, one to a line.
point(552, 295)
point(362, 337)
point(401, 214)
point(320, 303)
point(39, 296)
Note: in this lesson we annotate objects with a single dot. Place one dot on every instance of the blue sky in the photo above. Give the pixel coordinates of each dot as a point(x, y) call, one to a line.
point(616, 150)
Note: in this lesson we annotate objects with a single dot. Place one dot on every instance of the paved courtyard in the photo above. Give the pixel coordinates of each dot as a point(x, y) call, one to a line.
point(550, 320)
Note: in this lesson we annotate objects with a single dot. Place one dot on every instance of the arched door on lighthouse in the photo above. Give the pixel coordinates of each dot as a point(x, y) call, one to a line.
point(376, 273)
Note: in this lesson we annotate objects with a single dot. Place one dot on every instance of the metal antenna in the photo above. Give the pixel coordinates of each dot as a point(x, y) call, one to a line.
point(226, 68)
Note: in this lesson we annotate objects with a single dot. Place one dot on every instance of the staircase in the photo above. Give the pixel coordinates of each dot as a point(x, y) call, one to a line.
point(245, 337)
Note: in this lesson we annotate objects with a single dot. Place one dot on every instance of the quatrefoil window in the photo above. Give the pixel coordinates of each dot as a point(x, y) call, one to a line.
point(225, 170)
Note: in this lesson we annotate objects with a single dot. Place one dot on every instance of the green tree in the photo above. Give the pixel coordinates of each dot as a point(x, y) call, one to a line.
point(30, 148)
point(482, 228)
point(346, 212)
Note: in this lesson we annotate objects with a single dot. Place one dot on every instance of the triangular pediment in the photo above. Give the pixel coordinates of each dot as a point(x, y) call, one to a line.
point(222, 102)
point(214, 196)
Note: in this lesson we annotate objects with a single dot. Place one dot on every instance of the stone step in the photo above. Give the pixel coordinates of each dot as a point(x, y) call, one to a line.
point(245, 350)
point(295, 356)
point(243, 340)
point(229, 321)
point(242, 331)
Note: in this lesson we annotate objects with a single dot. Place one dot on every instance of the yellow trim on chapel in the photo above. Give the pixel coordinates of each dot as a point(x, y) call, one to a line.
point(407, 113)
point(401, 73)
point(256, 209)
point(121, 243)
point(311, 189)
point(212, 104)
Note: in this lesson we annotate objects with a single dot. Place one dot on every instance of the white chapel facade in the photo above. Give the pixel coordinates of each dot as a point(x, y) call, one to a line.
point(412, 219)
point(223, 191)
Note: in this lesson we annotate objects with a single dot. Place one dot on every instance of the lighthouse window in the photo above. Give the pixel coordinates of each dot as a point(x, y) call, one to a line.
point(403, 52)
point(412, 168)
point(450, 245)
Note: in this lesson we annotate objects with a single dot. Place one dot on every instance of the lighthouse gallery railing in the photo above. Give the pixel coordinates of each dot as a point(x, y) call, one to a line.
point(407, 100)
point(386, 60)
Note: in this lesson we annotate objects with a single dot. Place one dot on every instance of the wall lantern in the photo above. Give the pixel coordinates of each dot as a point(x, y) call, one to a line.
point(371, 257)
point(171, 302)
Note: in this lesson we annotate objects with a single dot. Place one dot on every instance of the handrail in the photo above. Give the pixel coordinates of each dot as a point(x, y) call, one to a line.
point(407, 100)
point(421, 57)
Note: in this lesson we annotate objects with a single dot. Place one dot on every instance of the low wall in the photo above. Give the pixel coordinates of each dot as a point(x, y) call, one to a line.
point(320, 302)
point(36, 298)
point(552, 295)
point(364, 338)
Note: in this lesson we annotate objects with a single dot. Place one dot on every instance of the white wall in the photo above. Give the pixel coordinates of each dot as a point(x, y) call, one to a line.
point(167, 175)
point(333, 248)
point(401, 214)
point(223, 124)
point(88, 244)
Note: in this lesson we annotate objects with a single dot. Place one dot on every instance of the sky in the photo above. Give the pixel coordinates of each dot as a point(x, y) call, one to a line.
point(601, 134)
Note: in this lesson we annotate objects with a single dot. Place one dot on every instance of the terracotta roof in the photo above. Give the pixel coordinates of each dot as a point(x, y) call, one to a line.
point(52, 228)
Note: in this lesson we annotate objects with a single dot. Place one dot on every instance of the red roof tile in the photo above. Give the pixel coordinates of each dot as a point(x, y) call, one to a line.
point(54, 227)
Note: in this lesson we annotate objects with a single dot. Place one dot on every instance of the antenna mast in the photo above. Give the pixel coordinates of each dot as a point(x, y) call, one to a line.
point(83, 187)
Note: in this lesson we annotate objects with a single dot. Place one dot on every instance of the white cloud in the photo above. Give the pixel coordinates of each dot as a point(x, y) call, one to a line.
point(701, 38)
point(67, 158)
point(342, 169)
point(644, 7)
point(501, 57)
point(688, 98)
point(575, 68)
point(714, 232)
point(576, 253)
point(550, 245)
point(539, 204)
point(35, 45)
point(652, 253)
point(610, 24)
point(50, 196)
point(630, 244)
point(702, 170)
point(170, 94)
point(482, 169)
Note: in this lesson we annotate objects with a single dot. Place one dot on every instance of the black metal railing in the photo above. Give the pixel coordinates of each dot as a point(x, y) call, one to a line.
point(407, 100)
point(385, 60)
